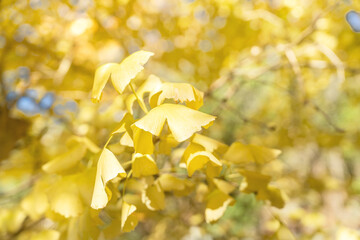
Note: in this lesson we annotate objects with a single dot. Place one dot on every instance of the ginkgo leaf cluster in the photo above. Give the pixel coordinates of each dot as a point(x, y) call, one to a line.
point(173, 118)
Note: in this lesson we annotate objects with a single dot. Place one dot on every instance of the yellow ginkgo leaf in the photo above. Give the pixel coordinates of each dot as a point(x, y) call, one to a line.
point(241, 153)
point(69, 195)
point(211, 145)
point(121, 74)
point(67, 204)
point(190, 149)
point(112, 229)
point(142, 141)
point(135, 199)
point(223, 185)
point(274, 195)
point(180, 187)
point(183, 122)
point(216, 205)
point(126, 140)
point(66, 160)
point(189, 188)
point(254, 181)
point(259, 184)
point(198, 161)
point(143, 165)
point(179, 92)
point(124, 125)
point(36, 203)
point(213, 170)
point(64, 198)
point(129, 68)
point(90, 145)
point(108, 168)
point(150, 85)
point(102, 75)
point(128, 218)
point(170, 183)
point(166, 143)
point(153, 197)
point(85, 183)
point(84, 226)
point(135, 185)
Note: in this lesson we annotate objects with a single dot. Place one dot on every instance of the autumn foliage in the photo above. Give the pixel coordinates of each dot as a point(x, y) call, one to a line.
point(179, 119)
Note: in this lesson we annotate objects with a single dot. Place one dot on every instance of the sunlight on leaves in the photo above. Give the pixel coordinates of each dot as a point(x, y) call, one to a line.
point(108, 168)
point(198, 161)
point(179, 92)
point(121, 74)
point(241, 153)
point(153, 197)
point(128, 218)
point(143, 165)
point(183, 122)
point(216, 205)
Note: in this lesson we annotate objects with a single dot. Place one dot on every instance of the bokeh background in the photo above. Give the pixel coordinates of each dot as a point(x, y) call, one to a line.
point(277, 73)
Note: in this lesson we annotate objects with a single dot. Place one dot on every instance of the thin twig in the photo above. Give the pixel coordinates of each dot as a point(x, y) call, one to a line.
point(142, 106)
point(23, 227)
point(327, 118)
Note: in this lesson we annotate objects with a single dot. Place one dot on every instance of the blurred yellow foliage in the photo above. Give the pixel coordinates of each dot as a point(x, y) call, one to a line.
point(141, 161)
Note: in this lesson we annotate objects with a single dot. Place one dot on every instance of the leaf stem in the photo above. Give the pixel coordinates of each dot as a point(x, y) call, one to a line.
point(142, 105)
point(127, 177)
point(107, 142)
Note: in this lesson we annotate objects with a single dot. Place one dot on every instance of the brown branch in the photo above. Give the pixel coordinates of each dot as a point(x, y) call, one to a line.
point(24, 227)
point(327, 118)
point(312, 27)
point(240, 116)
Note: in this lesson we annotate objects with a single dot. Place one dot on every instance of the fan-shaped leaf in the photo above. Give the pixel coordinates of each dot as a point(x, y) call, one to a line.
point(180, 187)
point(241, 153)
point(183, 122)
point(102, 75)
point(224, 186)
point(142, 141)
point(211, 145)
point(108, 168)
point(66, 160)
point(121, 74)
point(217, 203)
point(198, 161)
point(179, 92)
point(128, 218)
point(143, 165)
point(153, 197)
